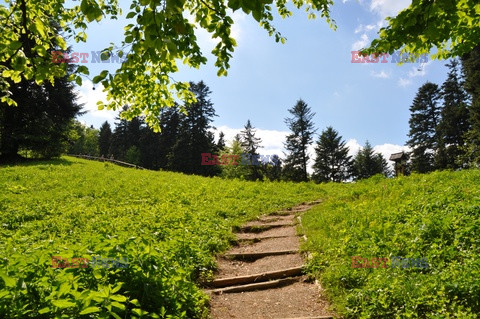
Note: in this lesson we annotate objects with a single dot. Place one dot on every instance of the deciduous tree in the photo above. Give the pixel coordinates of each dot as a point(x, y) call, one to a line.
point(452, 28)
point(159, 35)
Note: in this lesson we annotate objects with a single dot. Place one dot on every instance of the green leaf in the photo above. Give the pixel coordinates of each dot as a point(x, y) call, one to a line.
point(44, 310)
point(40, 28)
point(89, 310)
point(83, 69)
point(100, 77)
point(131, 14)
point(118, 298)
point(61, 42)
point(9, 282)
point(15, 45)
point(63, 303)
point(78, 80)
point(84, 7)
point(115, 315)
point(118, 305)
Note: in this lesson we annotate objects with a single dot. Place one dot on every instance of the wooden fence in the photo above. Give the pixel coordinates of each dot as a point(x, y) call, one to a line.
point(103, 159)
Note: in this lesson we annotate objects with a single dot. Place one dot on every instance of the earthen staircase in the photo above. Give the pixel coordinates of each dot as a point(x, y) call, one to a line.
point(263, 276)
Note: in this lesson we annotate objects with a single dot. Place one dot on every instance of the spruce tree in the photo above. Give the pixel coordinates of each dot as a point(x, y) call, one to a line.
point(195, 136)
point(41, 121)
point(170, 125)
point(250, 144)
point(454, 119)
point(332, 162)
point(127, 134)
point(424, 118)
point(368, 163)
point(105, 139)
point(471, 69)
point(221, 142)
point(302, 128)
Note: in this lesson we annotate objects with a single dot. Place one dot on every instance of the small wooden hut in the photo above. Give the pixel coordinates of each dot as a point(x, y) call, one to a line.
point(400, 160)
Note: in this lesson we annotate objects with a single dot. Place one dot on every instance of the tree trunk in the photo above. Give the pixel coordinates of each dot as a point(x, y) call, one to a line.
point(8, 143)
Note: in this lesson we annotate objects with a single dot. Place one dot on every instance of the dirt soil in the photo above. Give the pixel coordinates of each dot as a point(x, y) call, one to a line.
point(299, 299)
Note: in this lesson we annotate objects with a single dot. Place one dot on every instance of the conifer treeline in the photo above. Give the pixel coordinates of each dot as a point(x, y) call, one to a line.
point(186, 144)
point(445, 120)
point(444, 134)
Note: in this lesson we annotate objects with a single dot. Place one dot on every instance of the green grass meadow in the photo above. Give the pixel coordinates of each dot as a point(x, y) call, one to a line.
point(171, 226)
point(435, 216)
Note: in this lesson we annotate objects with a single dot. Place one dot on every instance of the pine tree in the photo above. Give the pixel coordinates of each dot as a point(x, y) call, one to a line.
point(424, 118)
point(368, 163)
point(332, 162)
point(250, 143)
point(302, 129)
point(471, 69)
point(105, 139)
point(454, 119)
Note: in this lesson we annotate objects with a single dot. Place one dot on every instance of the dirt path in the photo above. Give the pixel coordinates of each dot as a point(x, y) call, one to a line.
point(262, 277)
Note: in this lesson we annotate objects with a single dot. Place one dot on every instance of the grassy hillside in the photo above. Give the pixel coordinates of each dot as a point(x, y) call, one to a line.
point(168, 225)
point(435, 216)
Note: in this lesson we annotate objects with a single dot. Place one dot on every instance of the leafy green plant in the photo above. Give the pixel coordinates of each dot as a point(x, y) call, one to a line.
point(170, 227)
point(433, 216)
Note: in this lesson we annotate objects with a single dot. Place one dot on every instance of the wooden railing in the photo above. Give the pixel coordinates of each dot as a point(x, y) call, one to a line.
point(104, 159)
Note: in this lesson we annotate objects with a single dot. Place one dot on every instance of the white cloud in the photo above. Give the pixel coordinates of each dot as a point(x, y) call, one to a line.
point(353, 147)
point(382, 74)
point(89, 97)
point(385, 149)
point(366, 28)
point(362, 43)
point(388, 149)
point(420, 70)
point(388, 8)
point(272, 140)
point(404, 82)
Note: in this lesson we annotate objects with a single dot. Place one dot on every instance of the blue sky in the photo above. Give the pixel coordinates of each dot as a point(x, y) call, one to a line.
point(361, 101)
